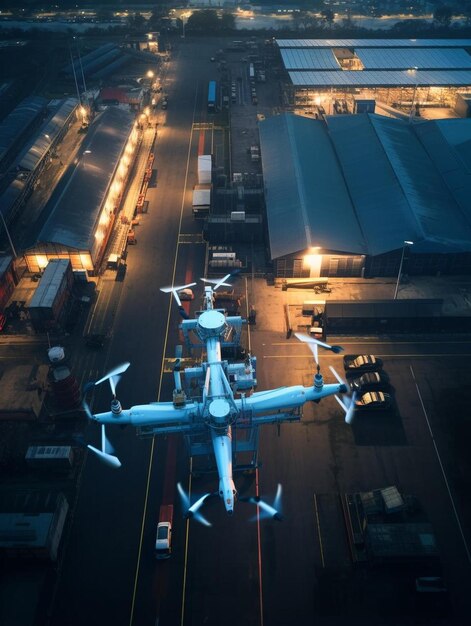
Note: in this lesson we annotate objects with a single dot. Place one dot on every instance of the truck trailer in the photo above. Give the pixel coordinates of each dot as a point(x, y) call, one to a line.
point(204, 169)
point(201, 200)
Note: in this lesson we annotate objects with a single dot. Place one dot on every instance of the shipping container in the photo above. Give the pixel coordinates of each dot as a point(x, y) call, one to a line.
point(50, 456)
point(47, 306)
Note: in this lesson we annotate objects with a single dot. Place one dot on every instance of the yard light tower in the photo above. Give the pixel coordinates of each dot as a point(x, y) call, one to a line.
point(405, 243)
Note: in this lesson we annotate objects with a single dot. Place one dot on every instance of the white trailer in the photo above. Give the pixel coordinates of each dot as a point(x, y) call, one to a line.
point(201, 200)
point(204, 169)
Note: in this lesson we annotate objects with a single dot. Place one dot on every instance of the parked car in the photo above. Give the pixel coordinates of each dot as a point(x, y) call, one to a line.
point(370, 381)
point(361, 363)
point(371, 400)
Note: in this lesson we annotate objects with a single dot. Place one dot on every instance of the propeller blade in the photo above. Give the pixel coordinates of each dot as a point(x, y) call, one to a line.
point(350, 414)
point(120, 369)
point(342, 403)
point(340, 380)
point(267, 510)
point(348, 407)
point(218, 282)
point(108, 459)
point(174, 291)
point(105, 442)
point(193, 510)
point(310, 340)
point(311, 344)
point(277, 501)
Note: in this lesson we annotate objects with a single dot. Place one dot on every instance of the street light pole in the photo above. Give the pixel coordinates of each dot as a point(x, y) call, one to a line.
point(413, 71)
point(405, 243)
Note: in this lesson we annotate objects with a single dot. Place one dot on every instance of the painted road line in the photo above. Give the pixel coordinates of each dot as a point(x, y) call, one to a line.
point(319, 530)
point(146, 497)
point(468, 554)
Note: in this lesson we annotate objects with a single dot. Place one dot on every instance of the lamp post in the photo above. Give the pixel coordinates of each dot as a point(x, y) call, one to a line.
point(405, 243)
point(413, 71)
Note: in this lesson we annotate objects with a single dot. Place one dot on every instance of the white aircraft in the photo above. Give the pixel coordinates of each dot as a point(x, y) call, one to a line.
point(221, 405)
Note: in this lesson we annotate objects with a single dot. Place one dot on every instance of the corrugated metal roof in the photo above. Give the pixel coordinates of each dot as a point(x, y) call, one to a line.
point(309, 59)
point(111, 67)
point(73, 218)
point(87, 58)
point(36, 149)
point(373, 43)
point(376, 193)
point(10, 196)
point(365, 184)
point(304, 189)
point(396, 189)
point(448, 142)
point(382, 78)
point(50, 283)
point(432, 204)
point(420, 58)
point(17, 122)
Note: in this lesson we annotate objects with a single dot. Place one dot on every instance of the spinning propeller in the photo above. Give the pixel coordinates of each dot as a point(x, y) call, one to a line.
point(314, 345)
point(174, 291)
point(193, 510)
point(218, 282)
point(347, 402)
point(267, 510)
point(106, 454)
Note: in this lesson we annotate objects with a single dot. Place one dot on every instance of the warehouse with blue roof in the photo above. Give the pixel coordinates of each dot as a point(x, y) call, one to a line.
point(343, 195)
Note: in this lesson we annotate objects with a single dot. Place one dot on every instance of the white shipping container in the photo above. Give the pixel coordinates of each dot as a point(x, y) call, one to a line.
point(204, 169)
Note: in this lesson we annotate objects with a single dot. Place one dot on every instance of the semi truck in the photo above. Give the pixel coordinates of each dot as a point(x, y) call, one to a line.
point(163, 540)
point(201, 200)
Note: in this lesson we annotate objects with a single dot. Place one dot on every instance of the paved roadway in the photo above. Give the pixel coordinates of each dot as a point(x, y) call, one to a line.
point(240, 572)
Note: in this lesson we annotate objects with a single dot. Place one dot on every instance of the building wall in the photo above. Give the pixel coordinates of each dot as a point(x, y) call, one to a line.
point(37, 258)
point(311, 266)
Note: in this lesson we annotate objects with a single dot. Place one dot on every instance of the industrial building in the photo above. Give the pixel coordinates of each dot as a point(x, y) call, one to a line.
point(17, 126)
point(394, 72)
point(82, 216)
point(351, 194)
point(33, 153)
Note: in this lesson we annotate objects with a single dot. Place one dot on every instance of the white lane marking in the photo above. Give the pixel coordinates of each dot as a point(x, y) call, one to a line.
point(441, 466)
